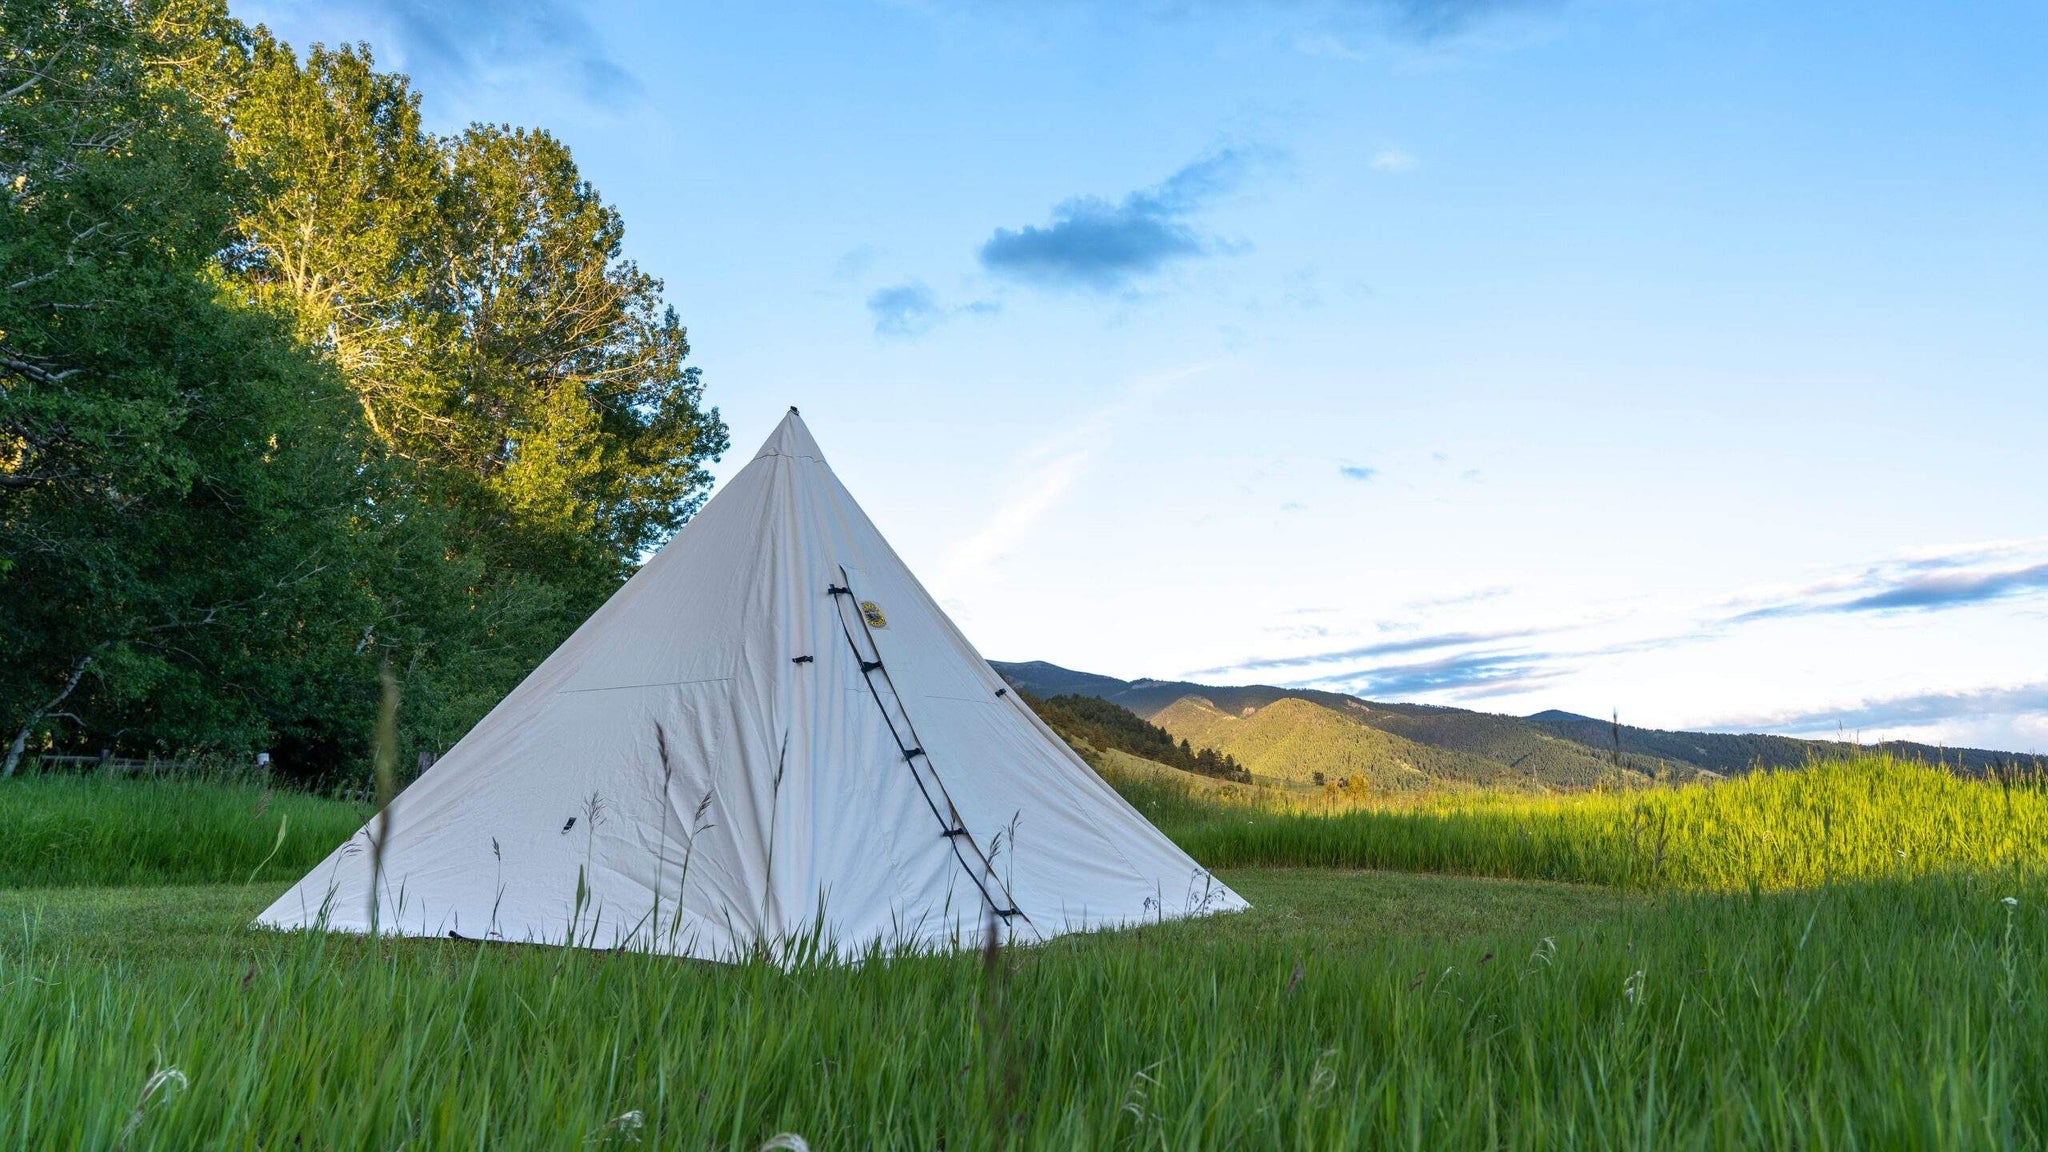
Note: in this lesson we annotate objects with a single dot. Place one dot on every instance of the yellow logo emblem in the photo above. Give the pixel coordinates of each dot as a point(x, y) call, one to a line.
point(872, 613)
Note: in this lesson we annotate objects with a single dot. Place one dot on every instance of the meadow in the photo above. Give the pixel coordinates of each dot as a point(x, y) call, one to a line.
point(1867, 1007)
point(1855, 818)
point(93, 830)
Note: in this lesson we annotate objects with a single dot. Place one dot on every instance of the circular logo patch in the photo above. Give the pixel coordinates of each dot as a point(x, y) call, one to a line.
point(872, 613)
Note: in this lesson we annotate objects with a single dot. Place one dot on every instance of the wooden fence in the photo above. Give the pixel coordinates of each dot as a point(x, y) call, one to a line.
point(117, 765)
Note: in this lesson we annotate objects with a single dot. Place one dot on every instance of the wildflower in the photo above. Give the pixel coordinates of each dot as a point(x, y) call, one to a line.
point(156, 1082)
point(626, 1125)
point(2009, 901)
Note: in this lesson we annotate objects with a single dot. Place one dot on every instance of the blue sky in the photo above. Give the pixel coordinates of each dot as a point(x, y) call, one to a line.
point(1680, 358)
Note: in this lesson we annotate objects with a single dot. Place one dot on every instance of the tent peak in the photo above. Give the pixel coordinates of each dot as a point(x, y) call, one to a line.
point(791, 438)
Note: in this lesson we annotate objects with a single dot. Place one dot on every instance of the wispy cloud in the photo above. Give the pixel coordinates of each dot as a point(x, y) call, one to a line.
point(855, 262)
point(463, 42)
point(1104, 245)
point(1368, 652)
point(1917, 710)
point(1465, 676)
point(909, 309)
point(1952, 590)
point(1928, 583)
point(905, 309)
point(1357, 472)
point(1046, 474)
point(1367, 30)
point(1394, 160)
point(1455, 599)
point(1431, 20)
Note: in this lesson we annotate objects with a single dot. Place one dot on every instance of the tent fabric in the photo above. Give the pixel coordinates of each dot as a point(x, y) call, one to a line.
point(730, 758)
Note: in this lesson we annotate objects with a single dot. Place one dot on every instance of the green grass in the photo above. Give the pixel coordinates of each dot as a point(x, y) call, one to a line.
point(1847, 999)
point(68, 830)
point(1838, 820)
point(1345, 1010)
point(1864, 818)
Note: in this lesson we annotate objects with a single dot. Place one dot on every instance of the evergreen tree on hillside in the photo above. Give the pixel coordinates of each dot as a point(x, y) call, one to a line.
point(1094, 721)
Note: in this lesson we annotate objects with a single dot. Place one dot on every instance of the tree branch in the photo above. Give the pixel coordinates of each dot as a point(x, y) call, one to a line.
point(23, 480)
point(14, 750)
point(38, 374)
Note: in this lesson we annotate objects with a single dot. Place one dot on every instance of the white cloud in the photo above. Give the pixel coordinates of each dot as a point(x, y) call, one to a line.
point(1048, 472)
point(1394, 160)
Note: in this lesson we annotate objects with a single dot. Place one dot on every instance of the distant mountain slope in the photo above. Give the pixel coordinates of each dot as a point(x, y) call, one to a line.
point(1737, 752)
point(1149, 697)
point(1558, 748)
point(1294, 740)
point(1048, 680)
point(1524, 747)
point(1500, 748)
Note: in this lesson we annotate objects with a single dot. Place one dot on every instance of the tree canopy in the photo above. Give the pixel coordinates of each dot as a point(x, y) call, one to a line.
point(291, 388)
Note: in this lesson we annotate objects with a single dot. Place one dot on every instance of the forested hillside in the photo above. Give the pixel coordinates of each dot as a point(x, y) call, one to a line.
point(292, 389)
point(1301, 742)
point(1098, 723)
point(1300, 734)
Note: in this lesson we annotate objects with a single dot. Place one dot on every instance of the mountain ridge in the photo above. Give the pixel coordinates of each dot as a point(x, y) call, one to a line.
point(1548, 748)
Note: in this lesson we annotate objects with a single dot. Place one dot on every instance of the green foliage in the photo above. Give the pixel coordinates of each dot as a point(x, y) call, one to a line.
point(1100, 724)
point(176, 477)
point(1864, 818)
point(289, 388)
point(474, 291)
point(1343, 1011)
point(78, 830)
point(497, 343)
point(1297, 741)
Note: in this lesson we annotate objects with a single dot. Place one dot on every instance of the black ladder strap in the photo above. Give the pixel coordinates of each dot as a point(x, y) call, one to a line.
point(954, 830)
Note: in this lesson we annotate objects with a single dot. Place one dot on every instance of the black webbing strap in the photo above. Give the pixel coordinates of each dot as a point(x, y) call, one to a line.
point(954, 830)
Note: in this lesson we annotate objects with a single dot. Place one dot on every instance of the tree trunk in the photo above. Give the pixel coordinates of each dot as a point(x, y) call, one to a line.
point(14, 750)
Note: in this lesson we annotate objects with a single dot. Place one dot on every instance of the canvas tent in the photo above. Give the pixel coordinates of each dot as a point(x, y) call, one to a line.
point(770, 734)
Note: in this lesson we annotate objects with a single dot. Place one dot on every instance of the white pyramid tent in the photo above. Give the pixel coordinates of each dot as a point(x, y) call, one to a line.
point(771, 734)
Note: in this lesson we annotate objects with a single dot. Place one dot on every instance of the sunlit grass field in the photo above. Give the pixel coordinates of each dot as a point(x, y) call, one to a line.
point(1861, 1006)
point(1859, 818)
